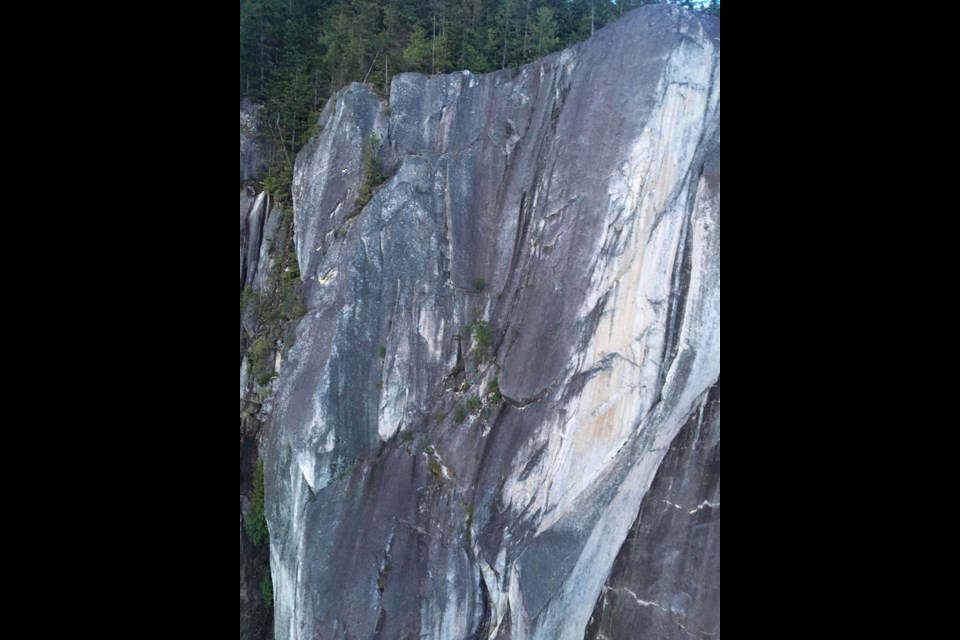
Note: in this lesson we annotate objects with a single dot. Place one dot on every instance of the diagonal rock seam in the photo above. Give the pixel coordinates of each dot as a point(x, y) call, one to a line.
point(584, 191)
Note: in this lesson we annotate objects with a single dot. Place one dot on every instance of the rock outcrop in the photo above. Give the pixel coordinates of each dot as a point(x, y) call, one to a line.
point(251, 155)
point(665, 583)
point(503, 347)
point(257, 227)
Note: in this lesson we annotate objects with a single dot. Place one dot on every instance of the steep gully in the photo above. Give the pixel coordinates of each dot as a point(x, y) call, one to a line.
point(499, 415)
point(256, 210)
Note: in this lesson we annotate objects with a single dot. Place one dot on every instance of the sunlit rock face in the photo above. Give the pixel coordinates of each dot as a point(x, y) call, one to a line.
point(503, 347)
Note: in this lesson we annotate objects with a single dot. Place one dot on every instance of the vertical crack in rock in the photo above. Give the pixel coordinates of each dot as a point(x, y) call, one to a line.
point(505, 350)
point(666, 580)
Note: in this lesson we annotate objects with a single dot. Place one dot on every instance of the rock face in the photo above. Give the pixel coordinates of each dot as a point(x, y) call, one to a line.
point(251, 157)
point(253, 207)
point(503, 350)
point(666, 580)
point(256, 229)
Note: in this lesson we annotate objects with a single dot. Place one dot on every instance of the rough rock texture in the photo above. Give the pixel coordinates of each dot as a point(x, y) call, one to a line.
point(256, 227)
point(251, 156)
point(258, 216)
point(253, 213)
point(253, 206)
point(572, 209)
point(666, 581)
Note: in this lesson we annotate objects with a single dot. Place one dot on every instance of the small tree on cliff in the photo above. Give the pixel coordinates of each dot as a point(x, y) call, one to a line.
point(372, 172)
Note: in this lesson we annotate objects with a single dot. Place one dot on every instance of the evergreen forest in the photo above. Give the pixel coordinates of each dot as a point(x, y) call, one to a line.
point(295, 54)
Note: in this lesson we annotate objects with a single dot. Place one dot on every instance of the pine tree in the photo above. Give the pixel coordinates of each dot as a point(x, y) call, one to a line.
point(294, 54)
point(546, 35)
point(418, 54)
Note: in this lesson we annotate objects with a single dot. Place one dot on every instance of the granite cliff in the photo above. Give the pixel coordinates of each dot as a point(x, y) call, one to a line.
point(496, 411)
